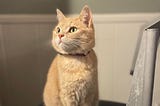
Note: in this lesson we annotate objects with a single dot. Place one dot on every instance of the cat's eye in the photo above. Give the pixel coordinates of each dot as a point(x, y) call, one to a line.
point(72, 29)
point(58, 30)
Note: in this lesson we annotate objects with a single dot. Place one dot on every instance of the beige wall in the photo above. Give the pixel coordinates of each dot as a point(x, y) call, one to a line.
point(26, 53)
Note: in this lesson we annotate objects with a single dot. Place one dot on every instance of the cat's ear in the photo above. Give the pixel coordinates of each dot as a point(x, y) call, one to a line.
point(60, 15)
point(86, 16)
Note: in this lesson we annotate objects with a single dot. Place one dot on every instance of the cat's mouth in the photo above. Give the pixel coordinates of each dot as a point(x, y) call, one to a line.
point(59, 42)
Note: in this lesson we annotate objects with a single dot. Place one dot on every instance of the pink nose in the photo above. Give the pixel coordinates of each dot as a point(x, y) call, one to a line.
point(60, 36)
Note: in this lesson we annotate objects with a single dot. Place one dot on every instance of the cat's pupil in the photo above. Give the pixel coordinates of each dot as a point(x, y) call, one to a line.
point(72, 29)
point(58, 29)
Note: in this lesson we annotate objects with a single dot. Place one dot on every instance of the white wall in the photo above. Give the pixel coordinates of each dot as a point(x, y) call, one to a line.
point(25, 54)
point(116, 40)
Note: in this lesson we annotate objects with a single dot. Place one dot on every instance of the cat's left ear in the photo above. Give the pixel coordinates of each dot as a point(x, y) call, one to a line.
point(60, 15)
point(86, 16)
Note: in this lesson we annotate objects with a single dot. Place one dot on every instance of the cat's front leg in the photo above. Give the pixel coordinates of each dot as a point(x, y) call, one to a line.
point(69, 99)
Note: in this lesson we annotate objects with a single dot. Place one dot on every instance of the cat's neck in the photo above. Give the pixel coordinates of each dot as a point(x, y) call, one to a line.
point(75, 54)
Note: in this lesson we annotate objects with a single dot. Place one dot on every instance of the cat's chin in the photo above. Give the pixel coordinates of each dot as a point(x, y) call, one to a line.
point(61, 48)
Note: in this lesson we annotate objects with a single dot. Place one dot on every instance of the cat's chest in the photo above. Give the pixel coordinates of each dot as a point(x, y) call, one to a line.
point(73, 69)
point(71, 63)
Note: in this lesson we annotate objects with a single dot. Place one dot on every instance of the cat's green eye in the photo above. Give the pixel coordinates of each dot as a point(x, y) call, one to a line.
point(58, 30)
point(72, 29)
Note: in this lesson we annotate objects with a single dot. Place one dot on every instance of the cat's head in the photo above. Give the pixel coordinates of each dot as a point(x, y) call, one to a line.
point(74, 35)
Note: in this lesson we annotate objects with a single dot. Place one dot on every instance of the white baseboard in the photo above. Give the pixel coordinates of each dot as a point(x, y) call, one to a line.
point(98, 18)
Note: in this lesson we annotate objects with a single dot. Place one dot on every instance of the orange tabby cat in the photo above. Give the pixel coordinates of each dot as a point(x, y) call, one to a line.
point(72, 78)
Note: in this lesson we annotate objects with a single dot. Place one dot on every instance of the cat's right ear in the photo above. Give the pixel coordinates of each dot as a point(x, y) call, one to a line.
point(60, 15)
point(86, 16)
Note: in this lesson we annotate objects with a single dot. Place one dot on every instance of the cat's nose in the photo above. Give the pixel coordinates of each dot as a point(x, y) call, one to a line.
point(60, 36)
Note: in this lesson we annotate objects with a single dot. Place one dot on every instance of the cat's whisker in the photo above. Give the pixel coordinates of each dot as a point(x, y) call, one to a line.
point(81, 40)
point(76, 43)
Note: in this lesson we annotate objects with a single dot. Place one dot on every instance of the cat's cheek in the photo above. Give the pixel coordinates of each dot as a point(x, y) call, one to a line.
point(54, 42)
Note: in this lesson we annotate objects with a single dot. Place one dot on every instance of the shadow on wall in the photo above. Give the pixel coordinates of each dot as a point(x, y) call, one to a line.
point(33, 6)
